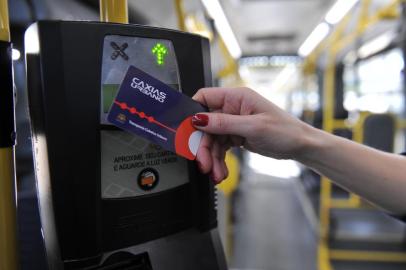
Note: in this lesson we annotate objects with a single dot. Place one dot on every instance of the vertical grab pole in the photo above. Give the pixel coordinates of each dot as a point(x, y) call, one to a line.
point(180, 12)
point(8, 203)
point(114, 11)
point(326, 186)
point(4, 22)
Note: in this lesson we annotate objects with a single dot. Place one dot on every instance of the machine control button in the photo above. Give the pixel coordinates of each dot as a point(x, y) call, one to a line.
point(148, 179)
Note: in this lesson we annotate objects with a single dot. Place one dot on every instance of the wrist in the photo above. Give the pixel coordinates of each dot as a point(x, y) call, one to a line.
point(313, 143)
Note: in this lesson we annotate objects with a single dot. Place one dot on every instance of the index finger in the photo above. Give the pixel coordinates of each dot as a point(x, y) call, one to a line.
point(213, 97)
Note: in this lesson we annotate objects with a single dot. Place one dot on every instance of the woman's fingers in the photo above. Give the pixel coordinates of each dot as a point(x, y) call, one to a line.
point(224, 124)
point(211, 156)
point(204, 157)
point(240, 101)
point(218, 151)
point(212, 97)
point(225, 148)
point(217, 172)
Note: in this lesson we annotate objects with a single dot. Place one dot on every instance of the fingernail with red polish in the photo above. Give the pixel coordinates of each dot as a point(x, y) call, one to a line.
point(200, 120)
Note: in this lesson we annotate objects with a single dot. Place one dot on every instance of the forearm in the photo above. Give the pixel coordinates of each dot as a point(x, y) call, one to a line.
point(242, 117)
point(377, 176)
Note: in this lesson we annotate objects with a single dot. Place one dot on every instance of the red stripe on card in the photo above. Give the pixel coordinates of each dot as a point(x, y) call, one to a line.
point(142, 115)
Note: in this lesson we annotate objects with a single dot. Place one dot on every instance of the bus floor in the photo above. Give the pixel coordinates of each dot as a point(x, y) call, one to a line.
point(275, 227)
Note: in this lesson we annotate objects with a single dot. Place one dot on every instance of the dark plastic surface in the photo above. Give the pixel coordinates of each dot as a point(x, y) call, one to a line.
point(7, 128)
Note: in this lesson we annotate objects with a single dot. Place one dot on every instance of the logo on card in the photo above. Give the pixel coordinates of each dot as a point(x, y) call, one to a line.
point(148, 89)
point(121, 118)
point(148, 179)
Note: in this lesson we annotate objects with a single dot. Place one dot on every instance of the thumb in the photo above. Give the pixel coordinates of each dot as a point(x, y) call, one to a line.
point(221, 123)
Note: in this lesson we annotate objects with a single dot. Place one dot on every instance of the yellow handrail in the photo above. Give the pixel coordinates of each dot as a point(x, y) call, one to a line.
point(332, 46)
point(180, 12)
point(114, 11)
point(228, 187)
point(8, 220)
point(4, 22)
point(8, 205)
point(366, 21)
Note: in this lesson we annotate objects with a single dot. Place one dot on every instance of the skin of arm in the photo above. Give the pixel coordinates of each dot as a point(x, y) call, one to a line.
point(240, 117)
point(376, 176)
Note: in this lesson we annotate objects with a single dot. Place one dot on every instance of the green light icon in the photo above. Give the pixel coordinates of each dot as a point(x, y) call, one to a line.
point(160, 51)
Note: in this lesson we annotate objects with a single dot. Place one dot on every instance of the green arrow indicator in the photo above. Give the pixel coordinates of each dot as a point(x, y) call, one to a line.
point(160, 51)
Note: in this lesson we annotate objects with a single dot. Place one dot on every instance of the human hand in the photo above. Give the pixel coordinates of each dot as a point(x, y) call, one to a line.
point(241, 117)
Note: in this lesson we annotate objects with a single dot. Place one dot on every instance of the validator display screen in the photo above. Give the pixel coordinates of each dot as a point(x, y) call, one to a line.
point(132, 166)
point(153, 56)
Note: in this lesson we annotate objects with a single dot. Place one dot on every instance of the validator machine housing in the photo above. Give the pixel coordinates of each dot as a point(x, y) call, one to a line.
point(109, 199)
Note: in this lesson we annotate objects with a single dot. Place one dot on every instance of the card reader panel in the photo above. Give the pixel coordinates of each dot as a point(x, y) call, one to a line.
point(131, 166)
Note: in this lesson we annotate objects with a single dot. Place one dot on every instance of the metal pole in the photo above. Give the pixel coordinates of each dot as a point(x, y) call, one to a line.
point(4, 24)
point(114, 11)
point(180, 12)
point(326, 186)
point(8, 204)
